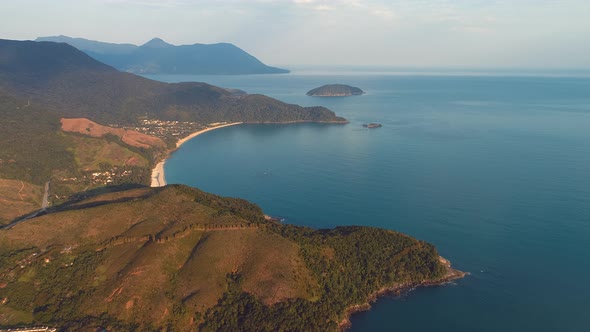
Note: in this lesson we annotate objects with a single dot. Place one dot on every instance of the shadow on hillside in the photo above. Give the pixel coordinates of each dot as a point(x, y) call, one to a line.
point(74, 202)
point(78, 197)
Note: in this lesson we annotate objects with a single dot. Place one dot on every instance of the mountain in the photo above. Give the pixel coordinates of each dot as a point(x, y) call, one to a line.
point(41, 83)
point(159, 57)
point(154, 43)
point(335, 90)
point(60, 77)
point(178, 259)
point(92, 46)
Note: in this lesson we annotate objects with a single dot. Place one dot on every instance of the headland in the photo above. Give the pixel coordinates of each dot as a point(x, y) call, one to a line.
point(398, 288)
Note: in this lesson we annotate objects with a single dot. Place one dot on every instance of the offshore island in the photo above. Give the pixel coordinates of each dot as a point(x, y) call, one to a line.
point(105, 251)
point(335, 90)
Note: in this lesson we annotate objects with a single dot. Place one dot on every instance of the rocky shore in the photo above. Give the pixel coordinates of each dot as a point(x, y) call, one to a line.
point(452, 274)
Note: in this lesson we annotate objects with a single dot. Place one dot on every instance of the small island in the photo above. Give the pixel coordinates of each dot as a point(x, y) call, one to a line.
point(335, 90)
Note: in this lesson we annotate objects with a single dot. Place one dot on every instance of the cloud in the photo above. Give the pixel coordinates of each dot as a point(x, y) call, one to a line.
point(471, 29)
point(373, 8)
point(323, 8)
point(147, 3)
point(384, 12)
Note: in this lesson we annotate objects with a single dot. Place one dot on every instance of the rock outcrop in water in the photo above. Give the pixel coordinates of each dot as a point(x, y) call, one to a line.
point(372, 125)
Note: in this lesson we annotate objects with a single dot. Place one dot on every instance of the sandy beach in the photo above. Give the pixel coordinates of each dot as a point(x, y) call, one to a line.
point(158, 177)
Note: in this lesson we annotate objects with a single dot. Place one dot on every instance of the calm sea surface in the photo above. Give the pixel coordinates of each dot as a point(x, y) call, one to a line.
point(495, 171)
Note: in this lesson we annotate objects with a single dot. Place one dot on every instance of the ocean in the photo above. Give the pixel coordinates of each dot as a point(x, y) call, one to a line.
point(492, 169)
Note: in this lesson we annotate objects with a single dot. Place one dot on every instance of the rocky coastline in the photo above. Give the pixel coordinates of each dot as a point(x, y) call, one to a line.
point(396, 289)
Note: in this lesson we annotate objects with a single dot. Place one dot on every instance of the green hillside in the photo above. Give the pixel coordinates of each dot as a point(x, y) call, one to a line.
point(178, 259)
point(41, 82)
point(73, 84)
point(31, 147)
point(33, 150)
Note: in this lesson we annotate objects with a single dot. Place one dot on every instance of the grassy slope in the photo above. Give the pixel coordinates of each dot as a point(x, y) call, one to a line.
point(34, 150)
point(181, 258)
point(91, 152)
point(18, 198)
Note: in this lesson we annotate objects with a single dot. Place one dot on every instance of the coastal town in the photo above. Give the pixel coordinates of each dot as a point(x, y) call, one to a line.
point(174, 133)
point(169, 131)
point(112, 175)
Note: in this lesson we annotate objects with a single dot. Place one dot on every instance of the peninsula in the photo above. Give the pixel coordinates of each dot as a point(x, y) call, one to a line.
point(335, 90)
point(179, 259)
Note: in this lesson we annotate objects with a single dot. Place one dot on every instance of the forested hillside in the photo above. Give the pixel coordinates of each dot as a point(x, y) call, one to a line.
point(62, 78)
point(178, 259)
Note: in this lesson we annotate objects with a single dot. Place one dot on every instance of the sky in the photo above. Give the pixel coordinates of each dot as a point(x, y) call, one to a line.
point(396, 33)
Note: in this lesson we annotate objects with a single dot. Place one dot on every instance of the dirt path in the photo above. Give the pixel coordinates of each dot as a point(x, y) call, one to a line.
point(45, 202)
point(22, 186)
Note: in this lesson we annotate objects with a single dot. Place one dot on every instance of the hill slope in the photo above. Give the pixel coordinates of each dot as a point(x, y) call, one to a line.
point(159, 57)
point(177, 258)
point(75, 85)
point(34, 149)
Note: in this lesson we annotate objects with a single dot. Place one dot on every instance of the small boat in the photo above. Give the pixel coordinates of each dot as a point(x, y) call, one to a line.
point(372, 125)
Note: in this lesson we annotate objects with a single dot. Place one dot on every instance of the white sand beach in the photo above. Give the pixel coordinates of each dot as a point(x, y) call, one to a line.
point(158, 177)
point(195, 134)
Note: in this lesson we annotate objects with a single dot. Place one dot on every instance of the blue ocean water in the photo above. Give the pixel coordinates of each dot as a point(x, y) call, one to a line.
point(493, 170)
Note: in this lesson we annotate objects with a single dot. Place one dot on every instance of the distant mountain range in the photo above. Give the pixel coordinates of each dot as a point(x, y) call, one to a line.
point(60, 77)
point(160, 57)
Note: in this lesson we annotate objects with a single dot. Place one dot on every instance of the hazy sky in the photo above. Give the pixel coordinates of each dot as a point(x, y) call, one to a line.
point(431, 33)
